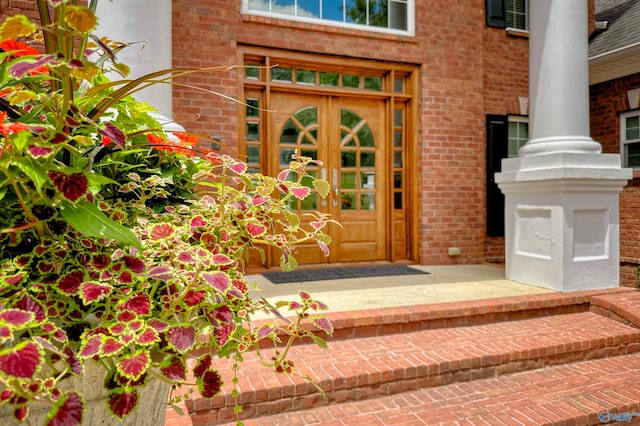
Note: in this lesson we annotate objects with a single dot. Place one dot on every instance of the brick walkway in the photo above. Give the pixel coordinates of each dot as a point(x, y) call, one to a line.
point(543, 359)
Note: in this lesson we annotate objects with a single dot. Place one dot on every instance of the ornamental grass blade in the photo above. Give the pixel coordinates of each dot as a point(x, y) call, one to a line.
point(88, 219)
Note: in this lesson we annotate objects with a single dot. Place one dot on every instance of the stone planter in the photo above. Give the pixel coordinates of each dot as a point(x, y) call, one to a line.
point(151, 409)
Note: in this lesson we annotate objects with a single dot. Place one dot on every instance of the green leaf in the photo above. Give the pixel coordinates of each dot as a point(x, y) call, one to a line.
point(320, 342)
point(87, 218)
point(177, 409)
point(322, 186)
point(98, 179)
point(288, 263)
point(21, 140)
point(36, 173)
point(292, 218)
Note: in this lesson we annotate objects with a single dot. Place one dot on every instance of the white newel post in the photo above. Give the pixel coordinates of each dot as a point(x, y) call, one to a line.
point(146, 25)
point(561, 193)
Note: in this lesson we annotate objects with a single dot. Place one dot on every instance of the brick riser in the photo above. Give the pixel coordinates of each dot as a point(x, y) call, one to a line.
point(406, 319)
point(397, 350)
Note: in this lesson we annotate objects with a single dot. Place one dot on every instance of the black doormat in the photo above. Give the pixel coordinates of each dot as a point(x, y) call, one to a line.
point(340, 273)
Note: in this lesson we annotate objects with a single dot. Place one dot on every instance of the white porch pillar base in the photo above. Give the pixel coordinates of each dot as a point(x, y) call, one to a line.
point(562, 219)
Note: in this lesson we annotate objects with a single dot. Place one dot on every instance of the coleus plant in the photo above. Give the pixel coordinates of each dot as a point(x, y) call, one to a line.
point(119, 242)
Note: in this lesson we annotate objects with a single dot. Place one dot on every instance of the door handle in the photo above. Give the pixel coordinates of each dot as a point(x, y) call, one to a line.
point(334, 185)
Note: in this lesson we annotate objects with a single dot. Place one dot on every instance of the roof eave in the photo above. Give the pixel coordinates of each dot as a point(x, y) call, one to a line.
point(615, 64)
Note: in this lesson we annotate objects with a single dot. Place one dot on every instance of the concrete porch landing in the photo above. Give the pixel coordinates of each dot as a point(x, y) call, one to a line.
point(533, 357)
point(441, 284)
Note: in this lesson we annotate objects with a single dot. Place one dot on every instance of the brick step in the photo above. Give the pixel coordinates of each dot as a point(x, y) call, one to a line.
point(368, 367)
point(571, 394)
point(403, 319)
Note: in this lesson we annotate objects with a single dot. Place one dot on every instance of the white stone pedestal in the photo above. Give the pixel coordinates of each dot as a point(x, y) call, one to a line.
point(562, 219)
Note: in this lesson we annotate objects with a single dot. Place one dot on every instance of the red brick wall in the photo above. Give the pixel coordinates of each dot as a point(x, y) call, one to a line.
point(205, 36)
point(506, 63)
point(14, 7)
point(607, 101)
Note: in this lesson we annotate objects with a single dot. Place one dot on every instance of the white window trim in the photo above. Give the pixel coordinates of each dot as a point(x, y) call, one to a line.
point(516, 119)
point(411, 20)
point(623, 136)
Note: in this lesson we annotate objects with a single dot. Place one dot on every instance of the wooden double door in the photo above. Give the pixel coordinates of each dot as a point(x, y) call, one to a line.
point(348, 136)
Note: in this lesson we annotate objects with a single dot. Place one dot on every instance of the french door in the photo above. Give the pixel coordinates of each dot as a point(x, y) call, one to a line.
point(347, 135)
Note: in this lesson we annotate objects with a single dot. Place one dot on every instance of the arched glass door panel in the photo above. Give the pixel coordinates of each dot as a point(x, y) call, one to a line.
point(300, 135)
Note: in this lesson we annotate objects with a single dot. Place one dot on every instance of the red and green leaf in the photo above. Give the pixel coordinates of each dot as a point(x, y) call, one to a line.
point(202, 366)
point(122, 402)
point(21, 413)
point(72, 187)
point(223, 333)
point(134, 366)
point(22, 360)
point(148, 336)
point(192, 298)
point(175, 371)
point(198, 221)
point(16, 317)
point(161, 231)
point(111, 346)
point(221, 259)
point(256, 230)
point(70, 283)
point(91, 347)
point(264, 331)
point(67, 411)
point(134, 264)
point(210, 384)
point(76, 365)
point(218, 280)
point(182, 338)
point(14, 280)
point(92, 291)
point(300, 192)
point(140, 304)
point(323, 324)
point(158, 325)
point(259, 200)
point(186, 257)
point(238, 167)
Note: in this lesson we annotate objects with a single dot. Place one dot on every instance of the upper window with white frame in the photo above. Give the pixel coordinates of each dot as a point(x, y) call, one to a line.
point(395, 16)
point(510, 14)
point(630, 138)
point(516, 11)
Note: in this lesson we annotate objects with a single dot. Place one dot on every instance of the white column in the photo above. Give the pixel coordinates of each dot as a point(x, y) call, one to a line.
point(559, 79)
point(146, 25)
point(561, 194)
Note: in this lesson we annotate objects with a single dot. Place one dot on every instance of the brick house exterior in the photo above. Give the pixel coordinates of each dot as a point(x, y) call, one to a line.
point(464, 74)
point(466, 71)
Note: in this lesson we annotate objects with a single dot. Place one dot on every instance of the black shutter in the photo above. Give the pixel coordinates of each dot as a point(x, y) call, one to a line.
point(497, 149)
point(495, 12)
